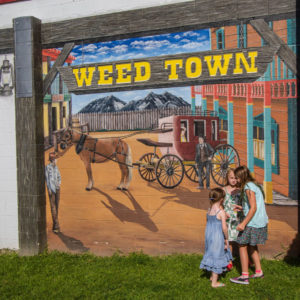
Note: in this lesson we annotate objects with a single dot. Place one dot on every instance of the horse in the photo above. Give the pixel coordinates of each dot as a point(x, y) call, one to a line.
point(99, 150)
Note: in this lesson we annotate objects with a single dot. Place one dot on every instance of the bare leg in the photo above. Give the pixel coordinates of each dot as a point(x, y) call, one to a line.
point(253, 251)
point(214, 280)
point(244, 258)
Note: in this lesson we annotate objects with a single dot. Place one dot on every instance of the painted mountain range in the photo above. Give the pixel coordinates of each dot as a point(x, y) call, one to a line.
point(151, 101)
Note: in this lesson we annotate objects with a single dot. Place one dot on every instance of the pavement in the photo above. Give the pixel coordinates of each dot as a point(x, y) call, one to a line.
point(148, 217)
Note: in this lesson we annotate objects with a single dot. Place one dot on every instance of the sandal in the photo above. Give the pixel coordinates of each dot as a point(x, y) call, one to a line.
point(220, 284)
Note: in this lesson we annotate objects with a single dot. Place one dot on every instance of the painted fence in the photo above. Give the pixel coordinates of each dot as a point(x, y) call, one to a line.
point(131, 120)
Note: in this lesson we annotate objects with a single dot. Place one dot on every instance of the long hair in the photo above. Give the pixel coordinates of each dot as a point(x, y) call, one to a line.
point(243, 173)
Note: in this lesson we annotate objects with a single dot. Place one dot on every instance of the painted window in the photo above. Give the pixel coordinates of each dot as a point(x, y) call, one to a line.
point(200, 128)
point(242, 36)
point(184, 131)
point(259, 143)
point(220, 38)
point(214, 130)
point(223, 119)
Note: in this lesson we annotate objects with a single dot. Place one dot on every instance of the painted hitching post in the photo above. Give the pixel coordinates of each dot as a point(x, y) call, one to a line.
point(230, 137)
point(193, 96)
point(268, 186)
point(216, 99)
point(30, 135)
point(250, 149)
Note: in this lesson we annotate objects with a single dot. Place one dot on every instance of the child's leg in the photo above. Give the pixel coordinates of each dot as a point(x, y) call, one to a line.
point(253, 250)
point(214, 280)
point(244, 260)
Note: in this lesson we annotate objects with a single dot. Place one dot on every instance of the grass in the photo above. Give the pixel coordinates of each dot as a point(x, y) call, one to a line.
point(59, 275)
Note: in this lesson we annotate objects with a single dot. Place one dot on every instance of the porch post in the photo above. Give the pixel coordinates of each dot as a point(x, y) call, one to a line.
point(193, 105)
point(230, 137)
point(250, 149)
point(216, 99)
point(30, 135)
point(268, 186)
point(204, 102)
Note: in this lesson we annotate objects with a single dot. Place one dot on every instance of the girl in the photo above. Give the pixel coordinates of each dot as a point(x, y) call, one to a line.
point(253, 229)
point(232, 216)
point(217, 255)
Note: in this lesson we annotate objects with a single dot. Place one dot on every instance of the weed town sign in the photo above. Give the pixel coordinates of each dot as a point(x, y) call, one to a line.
point(209, 67)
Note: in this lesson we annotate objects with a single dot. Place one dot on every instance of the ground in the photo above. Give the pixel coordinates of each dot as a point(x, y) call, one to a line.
point(148, 217)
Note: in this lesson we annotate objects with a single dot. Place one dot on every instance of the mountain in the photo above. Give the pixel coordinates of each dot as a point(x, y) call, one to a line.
point(102, 105)
point(152, 101)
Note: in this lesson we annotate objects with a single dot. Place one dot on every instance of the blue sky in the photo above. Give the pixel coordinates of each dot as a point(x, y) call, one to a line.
point(165, 44)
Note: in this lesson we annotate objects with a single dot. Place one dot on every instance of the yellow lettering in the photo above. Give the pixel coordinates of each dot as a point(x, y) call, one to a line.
point(173, 67)
point(139, 66)
point(123, 76)
point(188, 67)
point(217, 64)
point(241, 57)
point(105, 75)
point(83, 78)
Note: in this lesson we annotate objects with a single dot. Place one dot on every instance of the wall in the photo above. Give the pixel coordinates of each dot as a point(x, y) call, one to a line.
point(8, 174)
point(57, 10)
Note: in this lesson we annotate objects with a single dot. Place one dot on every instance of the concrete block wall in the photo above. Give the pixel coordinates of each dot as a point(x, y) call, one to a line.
point(8, 171)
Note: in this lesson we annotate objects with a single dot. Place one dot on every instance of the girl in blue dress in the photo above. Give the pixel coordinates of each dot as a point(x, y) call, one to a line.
point(217, 253)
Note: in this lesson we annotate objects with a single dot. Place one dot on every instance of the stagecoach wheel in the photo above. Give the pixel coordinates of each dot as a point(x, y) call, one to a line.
point(169, 171)
point(225, 157)
point(192, 173)
point(147, 166)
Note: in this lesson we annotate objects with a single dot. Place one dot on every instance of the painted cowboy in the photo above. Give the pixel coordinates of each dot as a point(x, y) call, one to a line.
point(53, 182)
point(204, 154)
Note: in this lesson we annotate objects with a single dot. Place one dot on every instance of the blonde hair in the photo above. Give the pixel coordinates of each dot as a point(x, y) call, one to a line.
point(216, 194)
point(227, 174)
point(244, 175)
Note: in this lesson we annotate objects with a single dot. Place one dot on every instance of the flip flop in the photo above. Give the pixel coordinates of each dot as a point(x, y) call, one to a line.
point(220, 284)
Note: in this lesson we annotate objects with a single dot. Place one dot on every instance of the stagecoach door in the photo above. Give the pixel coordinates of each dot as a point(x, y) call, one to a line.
point(200, 128)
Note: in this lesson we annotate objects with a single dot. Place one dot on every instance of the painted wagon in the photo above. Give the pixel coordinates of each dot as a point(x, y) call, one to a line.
point(177, 144)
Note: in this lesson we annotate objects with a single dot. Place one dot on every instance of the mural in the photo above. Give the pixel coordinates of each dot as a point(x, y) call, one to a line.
point(155, 137)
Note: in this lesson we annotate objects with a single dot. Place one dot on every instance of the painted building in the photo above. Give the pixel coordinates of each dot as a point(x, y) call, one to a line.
point(260, 118)
point(57, 102)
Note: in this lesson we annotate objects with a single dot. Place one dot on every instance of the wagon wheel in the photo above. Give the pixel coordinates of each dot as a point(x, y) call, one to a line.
point(192, 173)
point(147, 166)
point(169, 171)
point(225, 157)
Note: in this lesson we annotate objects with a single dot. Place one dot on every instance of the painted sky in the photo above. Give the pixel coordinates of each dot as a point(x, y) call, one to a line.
point(165, 44)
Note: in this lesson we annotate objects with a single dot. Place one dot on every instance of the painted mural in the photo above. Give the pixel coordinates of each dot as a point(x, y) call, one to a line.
point(127, 167)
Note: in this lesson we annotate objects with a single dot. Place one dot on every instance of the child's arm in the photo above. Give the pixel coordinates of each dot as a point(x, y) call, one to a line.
point(222, 215)
point(252, 202)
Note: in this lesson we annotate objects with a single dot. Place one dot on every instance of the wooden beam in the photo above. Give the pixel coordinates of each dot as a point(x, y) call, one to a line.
point(195, 14)
point(58, 63)
point(284, 51)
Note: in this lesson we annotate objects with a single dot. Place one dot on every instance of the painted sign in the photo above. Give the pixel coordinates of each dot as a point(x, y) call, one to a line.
point(172, 70)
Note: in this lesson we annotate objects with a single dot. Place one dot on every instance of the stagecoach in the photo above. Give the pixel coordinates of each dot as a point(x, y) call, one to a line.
point(178, 137)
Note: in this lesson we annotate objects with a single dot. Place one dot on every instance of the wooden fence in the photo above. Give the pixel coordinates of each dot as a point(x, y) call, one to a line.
point(131, 120)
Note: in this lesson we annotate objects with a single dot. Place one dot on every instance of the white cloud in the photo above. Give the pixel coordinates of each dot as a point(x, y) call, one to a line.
point(103, 50)
point(150, 44)
point(190, 33)
point(194, 45)
point(120, 48)
point(88, 48)
point(177, 37)
point(202, 38)
point(185, 41)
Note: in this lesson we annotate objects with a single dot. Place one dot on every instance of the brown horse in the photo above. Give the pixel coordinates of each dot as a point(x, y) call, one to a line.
point(99, 150)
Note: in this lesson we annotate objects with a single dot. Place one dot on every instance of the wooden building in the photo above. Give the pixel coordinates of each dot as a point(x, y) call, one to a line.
point(260, 118)
point(57, 101)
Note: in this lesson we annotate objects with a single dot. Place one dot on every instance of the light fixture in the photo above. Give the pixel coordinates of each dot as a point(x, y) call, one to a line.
point(6, 78)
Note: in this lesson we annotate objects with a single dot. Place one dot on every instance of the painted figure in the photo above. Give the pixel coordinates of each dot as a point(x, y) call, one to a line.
point(217, 253)
point(183, 134)
point(204, 154)
point(53, 182)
